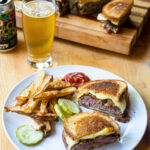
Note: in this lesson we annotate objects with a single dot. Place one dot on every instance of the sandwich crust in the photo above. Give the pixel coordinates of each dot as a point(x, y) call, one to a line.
point(86, 123)
point(117, 9)
point(64, 139)
point(110, 88)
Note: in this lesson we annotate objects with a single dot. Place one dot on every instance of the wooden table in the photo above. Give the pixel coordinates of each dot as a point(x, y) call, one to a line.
point(133, 68)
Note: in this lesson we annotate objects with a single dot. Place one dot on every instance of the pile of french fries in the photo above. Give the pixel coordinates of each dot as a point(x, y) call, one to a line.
point(38, 100)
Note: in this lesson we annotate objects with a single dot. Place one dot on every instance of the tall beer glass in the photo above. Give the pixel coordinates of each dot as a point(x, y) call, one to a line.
point(39, 28)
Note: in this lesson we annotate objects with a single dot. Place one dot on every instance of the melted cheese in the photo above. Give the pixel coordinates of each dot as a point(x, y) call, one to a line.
point(121, 104)
point(70, 142)
point(103, 132)
point(101, 17)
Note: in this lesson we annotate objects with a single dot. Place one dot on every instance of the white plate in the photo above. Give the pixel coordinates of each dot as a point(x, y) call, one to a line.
point(132, 132)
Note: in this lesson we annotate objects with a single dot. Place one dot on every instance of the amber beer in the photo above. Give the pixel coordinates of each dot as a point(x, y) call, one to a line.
point(39, 28)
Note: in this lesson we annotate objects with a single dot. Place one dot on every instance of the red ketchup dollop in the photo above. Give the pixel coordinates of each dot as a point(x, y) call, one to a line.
point(76, 78)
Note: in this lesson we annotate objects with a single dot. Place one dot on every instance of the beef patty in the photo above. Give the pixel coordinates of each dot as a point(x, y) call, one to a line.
point(92, 143)
point(91, 7)
point(91, 101)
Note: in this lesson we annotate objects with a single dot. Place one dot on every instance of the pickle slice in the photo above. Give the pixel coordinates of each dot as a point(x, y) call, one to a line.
point(28, 136)
point(68, 106)
point(62, 114)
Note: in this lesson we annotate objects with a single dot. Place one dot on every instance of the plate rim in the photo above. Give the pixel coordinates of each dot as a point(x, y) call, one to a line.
point(85, 66)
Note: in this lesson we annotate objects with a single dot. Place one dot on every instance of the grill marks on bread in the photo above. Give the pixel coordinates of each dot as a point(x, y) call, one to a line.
point(106, 87)
point(112, 89)
point(90, 124)
point(85, 123)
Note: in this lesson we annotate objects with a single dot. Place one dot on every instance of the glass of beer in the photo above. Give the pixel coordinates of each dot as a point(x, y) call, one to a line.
point(39, 27)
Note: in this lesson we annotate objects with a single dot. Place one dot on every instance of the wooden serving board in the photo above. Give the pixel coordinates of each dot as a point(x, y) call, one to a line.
point(90, 32)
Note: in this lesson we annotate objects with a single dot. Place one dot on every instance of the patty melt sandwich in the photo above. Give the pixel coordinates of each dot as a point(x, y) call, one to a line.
point(86, 7)
point(108, 96)
point(88, 130)
point(115, 13)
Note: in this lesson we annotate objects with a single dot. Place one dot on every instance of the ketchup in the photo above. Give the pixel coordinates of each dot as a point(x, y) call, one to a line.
point(76, 78)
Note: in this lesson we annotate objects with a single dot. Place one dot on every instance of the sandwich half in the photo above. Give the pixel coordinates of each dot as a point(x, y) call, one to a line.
point(87, 7)
point(115, 12)
point(107, 96)
point(88, 130)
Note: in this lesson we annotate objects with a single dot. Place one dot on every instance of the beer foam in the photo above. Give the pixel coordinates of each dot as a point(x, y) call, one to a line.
point(38, 9)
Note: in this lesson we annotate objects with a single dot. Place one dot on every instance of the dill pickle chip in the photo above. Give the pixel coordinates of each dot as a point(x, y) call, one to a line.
point(62, 114)
point(68, 106)
point(27, 135)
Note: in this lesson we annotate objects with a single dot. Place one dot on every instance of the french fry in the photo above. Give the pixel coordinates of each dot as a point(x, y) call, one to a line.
point(21, 110)
point(24, 95)
point(47, 128)
point(43, 106)
point(58, 84)
point(68, 96)
point(38, 82)
point(20, 100)
point(35, 114)
point(55, 93)
point(44, 84)
point(57, 79)
point(14, 109)
point(37, 124)
point(31, 104)
point(27, 91)
point(52, 103)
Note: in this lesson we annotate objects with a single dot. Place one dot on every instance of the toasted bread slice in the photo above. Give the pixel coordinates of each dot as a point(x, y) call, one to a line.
point(89, 125)
point(105, 89)
point(117, 11)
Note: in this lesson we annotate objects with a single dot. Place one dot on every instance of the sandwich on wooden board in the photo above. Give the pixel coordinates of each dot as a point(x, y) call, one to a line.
point(87, 7)
point(115, 12)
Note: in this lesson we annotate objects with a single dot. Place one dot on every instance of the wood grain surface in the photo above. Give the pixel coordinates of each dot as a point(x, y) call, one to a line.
point(133, 68)
point(90, 32)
